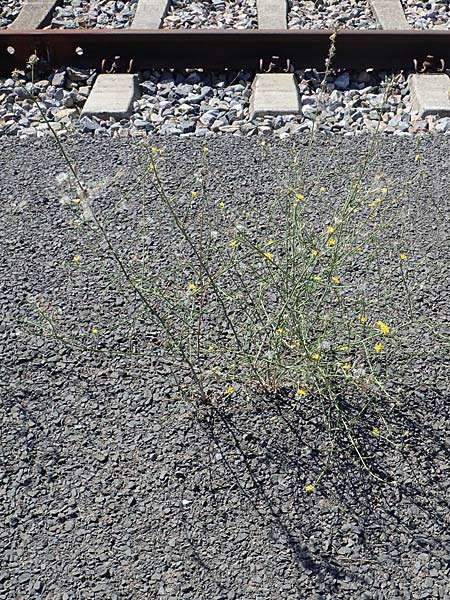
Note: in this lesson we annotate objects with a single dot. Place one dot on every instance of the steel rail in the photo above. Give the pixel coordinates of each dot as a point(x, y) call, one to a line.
point(221, 49)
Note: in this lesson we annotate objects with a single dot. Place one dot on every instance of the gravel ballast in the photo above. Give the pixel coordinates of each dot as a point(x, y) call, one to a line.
point(345, 14)
point(89, 14)
point(9, 9)
point(111, 488)
point(215, 14)
point(200, 103)
point(239, 14)
point(427, 15)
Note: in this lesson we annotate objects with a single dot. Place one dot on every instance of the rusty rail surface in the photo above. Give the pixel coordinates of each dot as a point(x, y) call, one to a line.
point(221, 49)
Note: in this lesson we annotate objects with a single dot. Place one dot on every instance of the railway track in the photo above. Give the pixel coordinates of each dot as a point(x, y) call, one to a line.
point(94, 68)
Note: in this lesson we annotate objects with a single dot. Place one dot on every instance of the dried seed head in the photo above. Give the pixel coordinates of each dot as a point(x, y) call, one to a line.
point(33, 60)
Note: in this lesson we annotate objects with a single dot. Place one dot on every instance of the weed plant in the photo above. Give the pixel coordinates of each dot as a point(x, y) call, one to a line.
point(293, 298)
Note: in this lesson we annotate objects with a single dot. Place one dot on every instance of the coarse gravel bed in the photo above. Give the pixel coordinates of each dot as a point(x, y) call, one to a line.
point(357, 14)
point(111, 488)
point(427, 15)
point(216, 14)
point(89, 14)
point(328, 14)
point(9, 9)
point(202, 103)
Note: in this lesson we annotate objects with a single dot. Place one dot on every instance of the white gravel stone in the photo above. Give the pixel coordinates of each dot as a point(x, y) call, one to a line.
point(327, 14)
point(219, 14)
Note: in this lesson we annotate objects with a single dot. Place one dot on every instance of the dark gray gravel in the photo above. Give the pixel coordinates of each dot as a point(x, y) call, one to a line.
point(112, 489)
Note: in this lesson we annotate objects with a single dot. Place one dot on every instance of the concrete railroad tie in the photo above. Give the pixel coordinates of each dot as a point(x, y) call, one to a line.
point(390, 14)
point(430, 94)
point(34, 14)
point(150, 14)
point(274, 94)
point(112, 96)
point(272, 14)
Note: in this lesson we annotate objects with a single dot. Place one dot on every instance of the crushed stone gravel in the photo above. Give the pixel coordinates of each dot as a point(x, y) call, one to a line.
point(9, 9)
point(427, 15)
point(88, 14)
point(111, 486)
point(217, 14)
point(240, 14)
point(201, 103)
point(329, 14)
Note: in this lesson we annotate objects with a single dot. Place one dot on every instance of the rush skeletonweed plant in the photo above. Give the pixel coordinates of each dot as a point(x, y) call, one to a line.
point(291, 297)
point(295, 294)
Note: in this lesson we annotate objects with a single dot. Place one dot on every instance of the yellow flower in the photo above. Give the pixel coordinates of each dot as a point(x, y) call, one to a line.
point(315, 356)
point(346, 366)
point(205, 149)
point(233, 243)
point(378, 347)
point(76, 259)
point(268, 256)
point(314, 252)
point(403, 256)
point(211, 347)
point(280, 330)
point(301, 392)
point(344, 348)
point(317, 278)
point(384, 190)
point(385, 329)
point(322, 189)
point(299, 196)
point(94, 330)
point(77, 200)
point(155, 150)
point(270, 242)
point(194, 194)
point(418, 158)
point(375, 431)
point(192, 287)
point(229, 389)
point(331, 241)
point(310, 487)
point(330, 229)
point(363, 319)
point(221, 204)
point(297, 343)
point(263, 143)
point(335, 279)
